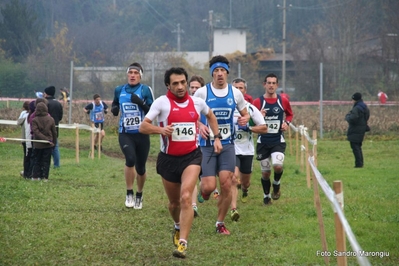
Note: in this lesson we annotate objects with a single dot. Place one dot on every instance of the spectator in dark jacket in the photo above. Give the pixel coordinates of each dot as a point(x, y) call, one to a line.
point(357, 119)
point(45, 135)
point(56, 112)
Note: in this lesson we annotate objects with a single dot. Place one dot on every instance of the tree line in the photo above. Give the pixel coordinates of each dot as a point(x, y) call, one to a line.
point(357, 40)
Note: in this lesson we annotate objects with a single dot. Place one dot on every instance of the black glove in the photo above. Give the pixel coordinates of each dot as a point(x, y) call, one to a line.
point(115, 110)
point(136, 99)
point(105, 111)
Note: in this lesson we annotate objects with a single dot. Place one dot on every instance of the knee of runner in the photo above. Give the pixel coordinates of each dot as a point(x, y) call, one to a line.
point(278, 168)
point(129, 162)
point(266, 174)
point(140, 170)
point(186, 199)
point(226, 185)
point(173, 205)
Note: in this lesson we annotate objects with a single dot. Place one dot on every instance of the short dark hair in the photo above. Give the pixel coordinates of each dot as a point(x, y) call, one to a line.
point(219, 58)
point(271, 75)
point(25, 105)
point(197, 78)
point(174, 70)
point(95, 96)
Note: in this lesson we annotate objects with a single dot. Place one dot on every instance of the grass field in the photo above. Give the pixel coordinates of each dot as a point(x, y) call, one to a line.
point(79, 217)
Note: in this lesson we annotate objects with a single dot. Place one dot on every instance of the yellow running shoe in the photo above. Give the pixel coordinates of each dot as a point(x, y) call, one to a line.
point(234, 215)
point(244, 196)
point(176, 236)
point(180, 251)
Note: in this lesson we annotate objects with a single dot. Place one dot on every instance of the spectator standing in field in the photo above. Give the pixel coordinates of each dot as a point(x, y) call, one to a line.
point(382, 97)
point(28, 160)
point(133, 100)
point(194, 84)
point(244, 149)
point(32, 107)
point(223, 99)
point(357, 119)
point(21, 122)
point(271, 146)
point(179, 162)
point(97, 110)
point(56, 111)
point(43, 128)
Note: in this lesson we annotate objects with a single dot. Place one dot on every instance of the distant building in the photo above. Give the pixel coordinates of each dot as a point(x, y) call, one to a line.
point(229, 40)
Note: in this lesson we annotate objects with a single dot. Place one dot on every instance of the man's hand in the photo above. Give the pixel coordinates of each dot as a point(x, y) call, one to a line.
point(167, 131)
point(136, 99)
point(203, 130)
point(217, 145)
point(285, 126)
point(243, 120)
point(115, 110)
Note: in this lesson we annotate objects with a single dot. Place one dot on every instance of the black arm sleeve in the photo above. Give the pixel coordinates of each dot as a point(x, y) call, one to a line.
point(145, 108)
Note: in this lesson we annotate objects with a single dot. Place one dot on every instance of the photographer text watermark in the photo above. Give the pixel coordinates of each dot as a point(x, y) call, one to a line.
point(360, 253)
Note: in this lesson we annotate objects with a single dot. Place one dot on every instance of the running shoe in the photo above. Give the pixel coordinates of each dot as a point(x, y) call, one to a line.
point(138, 205)
point(199, 197)
point(244, 196)
point(215, 194)
point(176, 236)
point(195, 208)
point(276, 192)
point(234, 215)
point(267, 201)
point(129, 203)
point(221, 229)
point(180, 251)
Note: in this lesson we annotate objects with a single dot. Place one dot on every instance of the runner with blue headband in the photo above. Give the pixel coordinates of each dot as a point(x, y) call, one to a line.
point(219, 64)
point(223, 99)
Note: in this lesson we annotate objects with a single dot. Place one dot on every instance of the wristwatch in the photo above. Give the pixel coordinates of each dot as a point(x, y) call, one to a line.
point(218, 136)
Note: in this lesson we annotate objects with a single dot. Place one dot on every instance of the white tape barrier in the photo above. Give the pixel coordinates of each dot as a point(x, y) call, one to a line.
point(363, 261)
point(71, 126)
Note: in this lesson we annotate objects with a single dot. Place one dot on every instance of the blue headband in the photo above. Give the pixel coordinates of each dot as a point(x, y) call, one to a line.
point(219, 64)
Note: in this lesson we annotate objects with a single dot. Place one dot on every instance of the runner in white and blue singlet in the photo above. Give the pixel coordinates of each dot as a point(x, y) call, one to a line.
point(223, 99)
point(133, 100)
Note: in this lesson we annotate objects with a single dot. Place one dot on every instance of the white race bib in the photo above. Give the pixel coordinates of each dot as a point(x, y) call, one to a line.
point(184, 132)
point(273, 126)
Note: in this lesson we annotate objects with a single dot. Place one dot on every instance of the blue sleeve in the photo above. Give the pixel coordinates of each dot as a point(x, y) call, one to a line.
point(147, 96)
point(117, 92)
